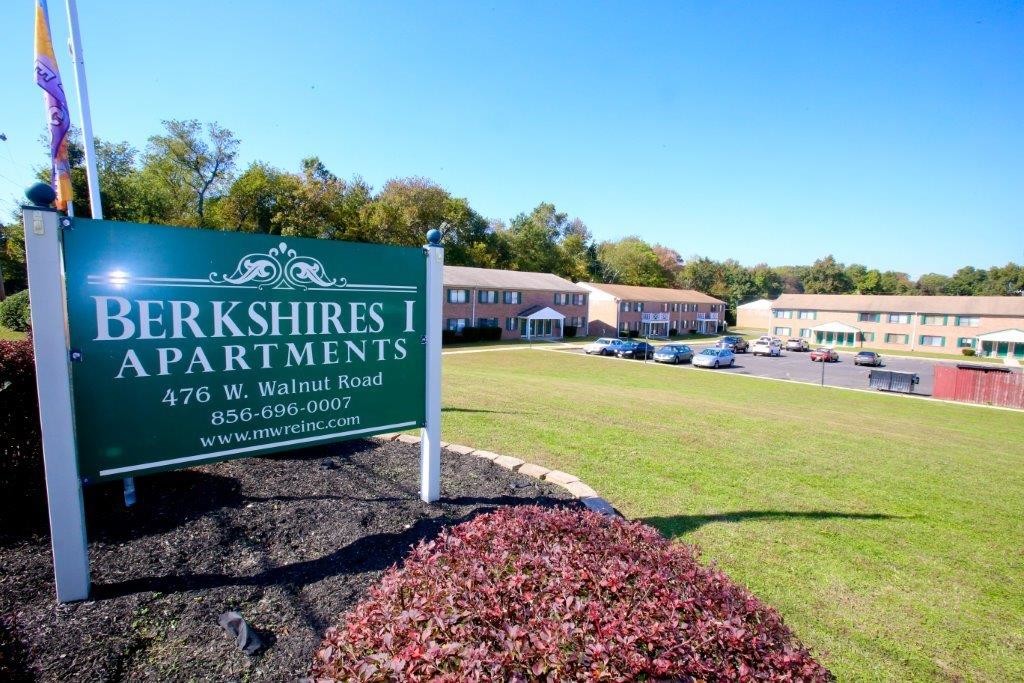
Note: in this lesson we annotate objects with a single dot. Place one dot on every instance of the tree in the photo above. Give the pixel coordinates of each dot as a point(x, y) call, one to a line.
point(255, 200)
point(190, 168)
point(827, 277)
point(967, 281)
point(932, 284)
point(407, 208)
point(699, 273)
point(632, 261)
point(767, 281)
point(533, 240)
point(316, 203)
point(1007, 280)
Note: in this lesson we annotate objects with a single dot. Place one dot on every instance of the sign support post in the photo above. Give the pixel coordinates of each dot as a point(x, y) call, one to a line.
point(50, 344)
point(430, 434)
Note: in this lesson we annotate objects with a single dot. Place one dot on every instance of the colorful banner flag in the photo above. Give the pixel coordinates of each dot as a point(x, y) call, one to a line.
point(48, 78)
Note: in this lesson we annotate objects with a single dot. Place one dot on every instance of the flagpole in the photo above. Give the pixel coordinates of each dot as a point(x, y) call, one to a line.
point(83, 105)
point(91, 173)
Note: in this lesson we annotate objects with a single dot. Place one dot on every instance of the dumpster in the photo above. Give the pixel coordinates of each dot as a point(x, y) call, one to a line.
point(893, 380)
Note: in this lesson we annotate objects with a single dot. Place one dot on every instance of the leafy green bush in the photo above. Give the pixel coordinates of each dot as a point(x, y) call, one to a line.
point(14, 312)
point(968, 352)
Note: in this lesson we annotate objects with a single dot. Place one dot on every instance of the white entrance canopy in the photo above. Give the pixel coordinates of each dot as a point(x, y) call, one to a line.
point(538, 313)
point(538, 321)
point(835, 327)
point(1014, 336)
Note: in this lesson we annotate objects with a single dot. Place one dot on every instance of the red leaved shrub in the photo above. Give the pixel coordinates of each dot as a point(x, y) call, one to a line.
point(530, 593)
point(21, 473)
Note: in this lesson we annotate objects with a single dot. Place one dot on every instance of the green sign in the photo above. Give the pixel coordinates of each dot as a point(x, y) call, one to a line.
point(191, 346)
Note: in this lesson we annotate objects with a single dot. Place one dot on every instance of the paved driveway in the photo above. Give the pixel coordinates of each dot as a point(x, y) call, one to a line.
point(798, 367)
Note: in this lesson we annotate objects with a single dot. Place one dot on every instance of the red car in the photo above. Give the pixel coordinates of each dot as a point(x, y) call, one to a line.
point(825, 355)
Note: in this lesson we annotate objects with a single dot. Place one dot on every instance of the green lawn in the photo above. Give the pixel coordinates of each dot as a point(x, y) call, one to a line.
point(888, 531)
point(6, 333)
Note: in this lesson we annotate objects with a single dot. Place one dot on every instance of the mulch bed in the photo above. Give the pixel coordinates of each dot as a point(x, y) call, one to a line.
point(291, 542)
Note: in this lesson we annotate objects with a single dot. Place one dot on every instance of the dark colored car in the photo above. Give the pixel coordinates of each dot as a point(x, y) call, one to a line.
point(825, 355)
point(867, 358)
point(674, 353)
point(734, 344)
point(635, 349)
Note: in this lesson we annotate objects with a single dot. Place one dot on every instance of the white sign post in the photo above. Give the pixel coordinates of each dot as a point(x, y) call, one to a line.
point(53, 382)
point(430, 435)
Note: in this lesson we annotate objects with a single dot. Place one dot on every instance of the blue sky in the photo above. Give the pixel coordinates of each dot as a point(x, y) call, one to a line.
point(890, 134)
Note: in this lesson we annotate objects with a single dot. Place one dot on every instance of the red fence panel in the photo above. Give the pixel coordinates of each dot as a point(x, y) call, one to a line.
point(979, 386)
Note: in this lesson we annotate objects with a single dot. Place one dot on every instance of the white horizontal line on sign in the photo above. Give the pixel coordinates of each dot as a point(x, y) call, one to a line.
point(248, 449)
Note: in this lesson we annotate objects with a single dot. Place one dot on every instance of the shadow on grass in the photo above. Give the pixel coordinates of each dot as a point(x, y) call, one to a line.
point(370, 553)
point(679, 525)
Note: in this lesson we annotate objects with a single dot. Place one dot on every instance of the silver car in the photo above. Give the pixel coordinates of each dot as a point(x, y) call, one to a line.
point(605, 346)
point(715, 358)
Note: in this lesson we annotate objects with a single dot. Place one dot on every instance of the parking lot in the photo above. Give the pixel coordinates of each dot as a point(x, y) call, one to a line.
point(798, 367)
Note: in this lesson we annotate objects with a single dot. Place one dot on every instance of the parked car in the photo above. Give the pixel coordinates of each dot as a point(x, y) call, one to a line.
point(734, 344)
point(714, 358)
point(674, 353)
point(766, 347)
point(635, 349)
point(797, 344)
point(825, 355)
point(605, 346)
point(867, 358)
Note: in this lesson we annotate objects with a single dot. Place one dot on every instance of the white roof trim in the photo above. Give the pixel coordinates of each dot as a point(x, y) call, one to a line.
point(835, 327)
point(1011, 335)
point(546, 314)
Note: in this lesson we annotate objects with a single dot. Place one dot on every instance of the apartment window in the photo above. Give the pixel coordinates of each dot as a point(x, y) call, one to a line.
point(783, 331)
point(639, 306)
point(623, 327)
point(968, 321)
point(901, 318)
point(933, 320)
point(807, 315)
point(867, 336)
point(455, 324)
point(869, 317)
point(664, 308)
point(559, 298)
point(805, 332)
point(782, 314)
point(486, 322)
point(891, 338)
point(512, 297)
point(579, 299)
point(965, 342)
point(932, 340)
point(487, 296)
point(624, 306)
point(458, 296)
point(510, 324)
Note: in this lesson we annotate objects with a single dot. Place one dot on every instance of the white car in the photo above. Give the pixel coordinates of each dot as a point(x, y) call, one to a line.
point(766, 346)
point(605, 346)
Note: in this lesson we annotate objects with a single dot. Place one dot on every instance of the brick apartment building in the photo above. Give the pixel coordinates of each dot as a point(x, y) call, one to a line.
point(652, 311)
point(991, 325)
point(527, 305)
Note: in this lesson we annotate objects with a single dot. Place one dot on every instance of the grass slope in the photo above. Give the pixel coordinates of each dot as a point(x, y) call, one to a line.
point(8, 334)
point(887, 530)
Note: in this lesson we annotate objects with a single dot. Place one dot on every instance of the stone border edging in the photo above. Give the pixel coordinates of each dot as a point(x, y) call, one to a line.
point(570, 483)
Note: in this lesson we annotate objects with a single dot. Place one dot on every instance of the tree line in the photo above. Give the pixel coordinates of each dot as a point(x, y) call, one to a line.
point(187, 174)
